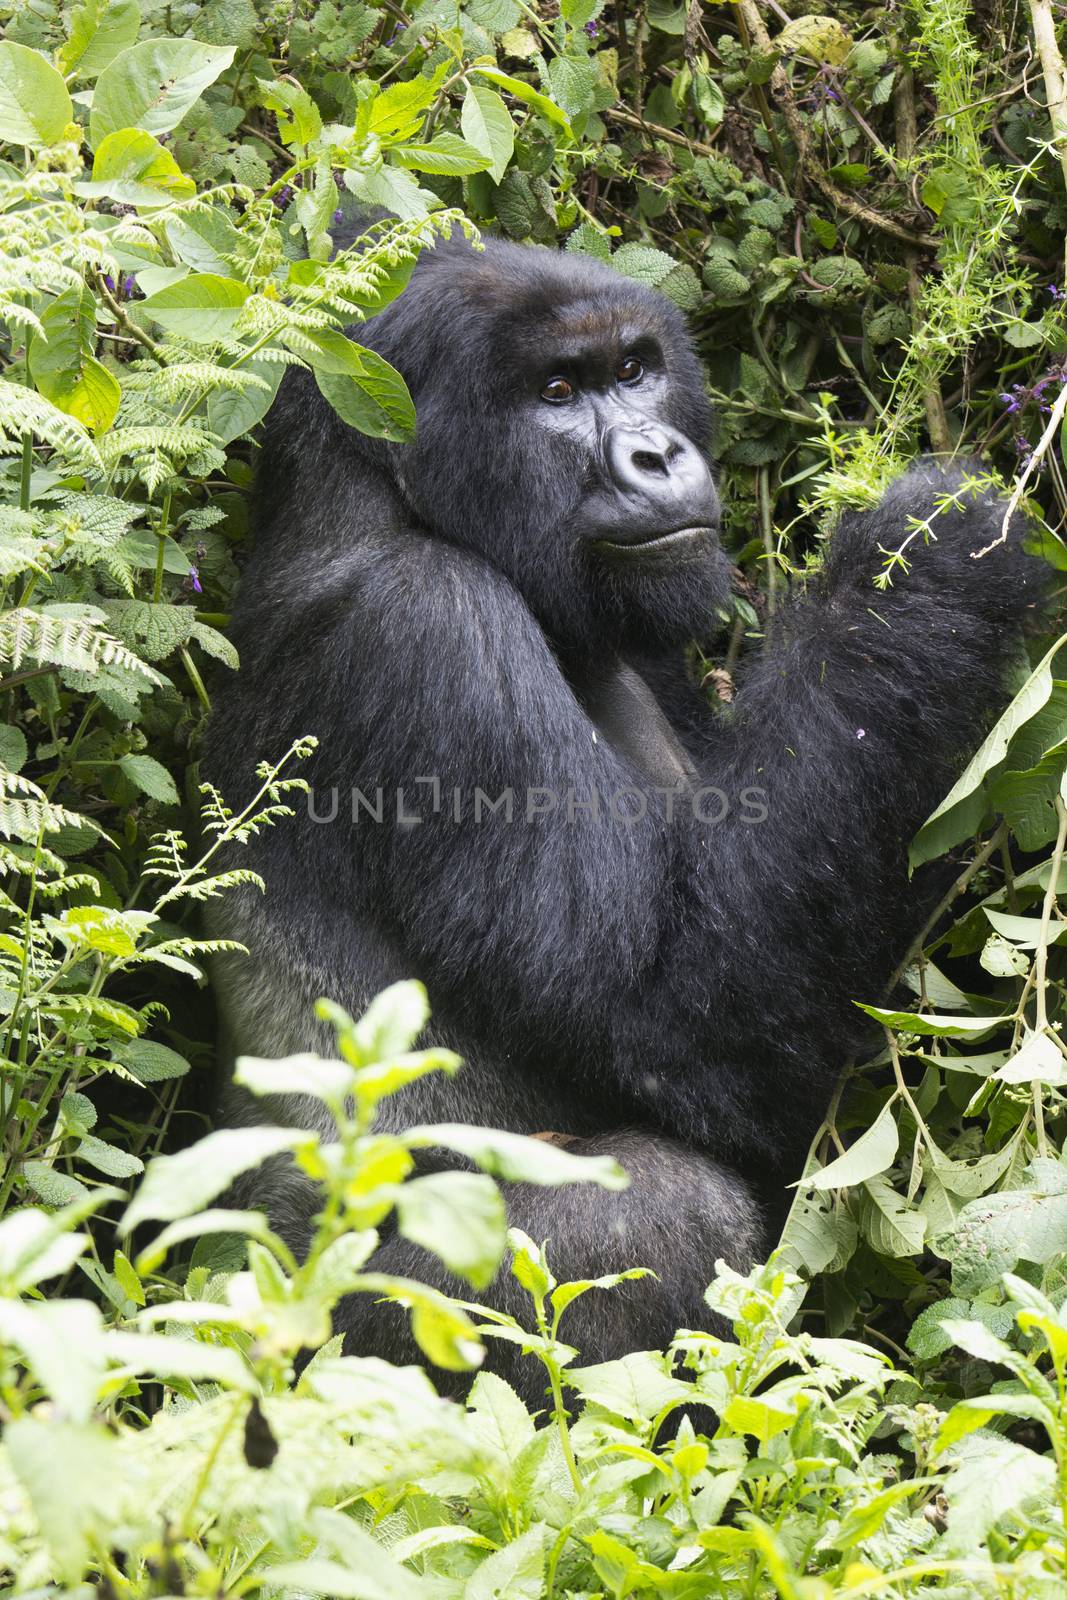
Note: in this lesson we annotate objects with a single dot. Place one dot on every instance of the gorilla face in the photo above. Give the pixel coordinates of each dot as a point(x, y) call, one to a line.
point(562, 427)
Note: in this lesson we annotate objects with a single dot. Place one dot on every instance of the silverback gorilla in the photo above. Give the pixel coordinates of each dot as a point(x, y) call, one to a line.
point(641, 923)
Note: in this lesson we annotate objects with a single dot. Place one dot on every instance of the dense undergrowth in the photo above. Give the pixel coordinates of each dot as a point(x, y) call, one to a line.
point(864, 217)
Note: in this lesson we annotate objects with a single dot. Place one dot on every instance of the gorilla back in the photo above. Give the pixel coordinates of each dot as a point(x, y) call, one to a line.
point(641, 924)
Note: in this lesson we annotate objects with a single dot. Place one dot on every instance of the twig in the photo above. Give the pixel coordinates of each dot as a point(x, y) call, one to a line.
point(124, 322)
point(991, 846)
point(655, 131)
point(1055, 74)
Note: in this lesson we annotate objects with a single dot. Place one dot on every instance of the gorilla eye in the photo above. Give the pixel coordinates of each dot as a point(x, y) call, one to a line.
point(557, 391)
point(630, 370)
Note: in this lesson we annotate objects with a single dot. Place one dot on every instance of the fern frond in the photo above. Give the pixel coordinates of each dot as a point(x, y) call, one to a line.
point(77, 642)
point(25, 411)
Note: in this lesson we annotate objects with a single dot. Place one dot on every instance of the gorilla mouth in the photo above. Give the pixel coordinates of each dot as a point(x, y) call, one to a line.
point(675, 539)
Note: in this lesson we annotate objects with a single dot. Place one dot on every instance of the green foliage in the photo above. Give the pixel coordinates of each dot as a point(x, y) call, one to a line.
point(863, 217)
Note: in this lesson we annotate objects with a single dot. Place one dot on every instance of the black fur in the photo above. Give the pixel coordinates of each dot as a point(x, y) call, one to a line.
point(675, 991)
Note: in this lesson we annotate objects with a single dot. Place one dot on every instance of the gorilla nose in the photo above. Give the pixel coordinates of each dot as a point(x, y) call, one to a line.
point(663, 468)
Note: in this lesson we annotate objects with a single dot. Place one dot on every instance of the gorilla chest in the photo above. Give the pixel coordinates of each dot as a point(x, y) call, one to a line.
point(626, 713)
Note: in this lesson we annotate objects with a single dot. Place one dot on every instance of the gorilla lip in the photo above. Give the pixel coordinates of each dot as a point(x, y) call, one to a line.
point(656, 541)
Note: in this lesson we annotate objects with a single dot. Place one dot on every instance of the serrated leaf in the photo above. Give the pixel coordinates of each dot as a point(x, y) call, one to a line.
point(447, 154)
point(151, 777)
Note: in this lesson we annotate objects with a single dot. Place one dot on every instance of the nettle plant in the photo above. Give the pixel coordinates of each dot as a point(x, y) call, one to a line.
point(167, 1448)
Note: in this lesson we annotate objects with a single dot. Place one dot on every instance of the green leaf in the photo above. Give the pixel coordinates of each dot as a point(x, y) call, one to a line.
point(448, 155)
point(460, 1216)
point(1037, 1060)
point(108, 1158)
point(638, 1386)
point(60, 1342)
point(55, 1188)
point(231, 413)
point(888, 1222)
point(179, 1184)
point(954, 819)
point(527, 94)
point(513, 1573)
point(375, 399)
point(99, 30)
point(35, 108)
point(328, 1081)
point(149, 1061)
point(995, 1231)
point(133, 168)
point(930, 1022)
point(517, 1158)
point(299, 121)
point(486, 122)
point(152, 85)
point(69, 1504)
point(872, 1153)
point(151, 777)
point(203, 307)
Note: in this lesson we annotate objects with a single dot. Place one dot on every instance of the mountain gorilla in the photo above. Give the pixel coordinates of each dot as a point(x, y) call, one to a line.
point(641, 923)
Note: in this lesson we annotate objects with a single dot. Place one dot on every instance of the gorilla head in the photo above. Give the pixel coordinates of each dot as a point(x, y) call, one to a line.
point(562, 430)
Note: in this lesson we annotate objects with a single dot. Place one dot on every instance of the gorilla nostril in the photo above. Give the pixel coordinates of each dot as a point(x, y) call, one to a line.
point(653, 461)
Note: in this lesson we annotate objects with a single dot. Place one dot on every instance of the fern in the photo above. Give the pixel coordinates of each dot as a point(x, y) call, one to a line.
point(79, 643)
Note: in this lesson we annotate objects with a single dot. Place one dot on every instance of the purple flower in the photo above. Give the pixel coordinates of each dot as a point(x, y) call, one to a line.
point(591, 29)
point(109, 281)
point(338, 215)
point(128, 284)
point(193, 581)
point(1023, 447)
point(397, 31)
point(284, 195)
point(1057, 294)
point(1009, 402)
point(832, 94)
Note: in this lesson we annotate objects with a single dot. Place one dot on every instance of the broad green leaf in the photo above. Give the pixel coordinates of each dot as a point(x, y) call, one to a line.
point(516, 1571)
point(993, 1481)
point(108, 1158)
point(930, 1022)
point(447, 154)
point(460, 1216)
point(888, 1222)
point(233, 412)
point(174, 1186)
point(995, 1231)
point(63, 367)
point(151, 777)
point(72, 1503)
point(500, 1419)
point(515, 1157)
point(872, 1153)
point(396, 113)
point(638, 1386)
point(486, 122)
point(527, 94)
point(956, 817)
point(149, 1061)
point(203, 307)
point(762, 1416)
point(375, 400)
point(1024, 931)
point(329, 1081)
point(567, 1293)
point(99, 31)
point(252, 1224)
point(133, 168)
point(60, 1341)
point(1037, 1060)
point(35, 107)
point(158, 1355)
point(153, 84)
point(395, 190)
